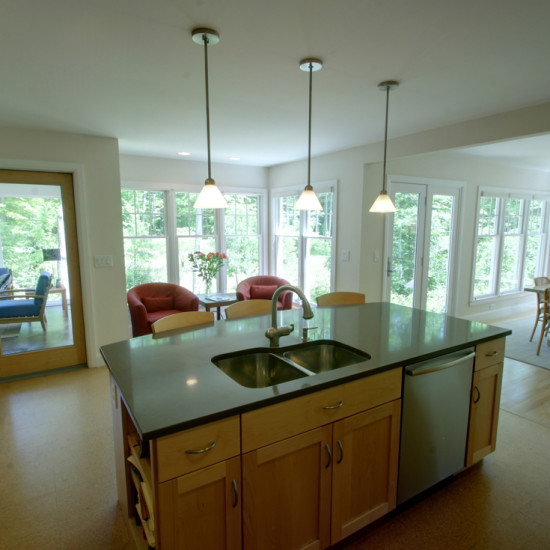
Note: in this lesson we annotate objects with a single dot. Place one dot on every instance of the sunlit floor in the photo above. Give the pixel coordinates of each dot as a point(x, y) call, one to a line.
point(57, 488)
point(25, 337)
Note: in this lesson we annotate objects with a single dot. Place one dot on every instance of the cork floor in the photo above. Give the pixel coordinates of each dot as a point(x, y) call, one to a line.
point(57, 486)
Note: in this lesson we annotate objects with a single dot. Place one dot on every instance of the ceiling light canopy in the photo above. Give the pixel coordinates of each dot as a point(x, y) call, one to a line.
point(308, 199)
point(210, 196)
point(384, 203)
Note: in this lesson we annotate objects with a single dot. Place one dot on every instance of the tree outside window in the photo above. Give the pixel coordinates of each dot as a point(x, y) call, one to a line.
point(304, 243)
point(143, 222)
point(161, 229)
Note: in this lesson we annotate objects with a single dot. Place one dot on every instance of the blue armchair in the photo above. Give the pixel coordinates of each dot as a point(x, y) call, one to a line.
point(5, 279)
point(25, 305)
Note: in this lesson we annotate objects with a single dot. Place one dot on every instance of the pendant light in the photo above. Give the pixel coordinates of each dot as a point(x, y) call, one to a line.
point(210, 196)
point(384, 203)
point(308, 199)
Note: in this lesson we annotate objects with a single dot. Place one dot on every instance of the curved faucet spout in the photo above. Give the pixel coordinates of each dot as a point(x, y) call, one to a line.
point(274, 333)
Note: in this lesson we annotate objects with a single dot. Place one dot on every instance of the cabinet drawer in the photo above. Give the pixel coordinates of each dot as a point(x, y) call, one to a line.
point(489, 353)
point(183, 452)
point(276, 422)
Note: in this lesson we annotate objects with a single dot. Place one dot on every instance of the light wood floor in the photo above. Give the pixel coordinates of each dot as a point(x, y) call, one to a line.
point(57, 489)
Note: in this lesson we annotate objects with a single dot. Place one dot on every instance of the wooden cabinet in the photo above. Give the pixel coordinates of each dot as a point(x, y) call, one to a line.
point(286, 500)
point(365, 466)
point(312, 489)
point(485, 400)
point(202, 509)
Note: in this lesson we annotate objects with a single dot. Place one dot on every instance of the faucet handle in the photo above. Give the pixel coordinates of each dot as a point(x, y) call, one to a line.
point(305, 330)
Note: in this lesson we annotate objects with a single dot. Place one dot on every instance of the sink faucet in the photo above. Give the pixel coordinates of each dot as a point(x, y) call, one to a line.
point(274, 333)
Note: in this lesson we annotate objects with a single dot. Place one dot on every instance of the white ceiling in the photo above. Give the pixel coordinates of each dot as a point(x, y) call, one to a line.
point(129, 69)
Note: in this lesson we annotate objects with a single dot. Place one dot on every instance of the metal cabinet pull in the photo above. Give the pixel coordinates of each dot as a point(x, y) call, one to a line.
point(200, 451)
point(491, 354)
point(235, 494)
point(327, 465)
point(337, 406)
point(341, 447)
point(476, 400)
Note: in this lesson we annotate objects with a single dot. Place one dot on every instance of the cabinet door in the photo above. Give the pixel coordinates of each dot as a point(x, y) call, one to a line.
point(484, 409)
point(365, 467)
point(286, 493)
point(201, 509)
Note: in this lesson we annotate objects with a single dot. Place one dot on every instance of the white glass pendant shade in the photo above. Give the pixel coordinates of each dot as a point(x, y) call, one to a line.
point(383, 204)
point(210, 196)
point(308, 200)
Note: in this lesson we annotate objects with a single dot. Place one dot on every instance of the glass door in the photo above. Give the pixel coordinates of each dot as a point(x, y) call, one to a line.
point(420, 250)
point(37, 235)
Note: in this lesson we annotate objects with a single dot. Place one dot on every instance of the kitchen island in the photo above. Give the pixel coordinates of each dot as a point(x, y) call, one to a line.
point(197, 438)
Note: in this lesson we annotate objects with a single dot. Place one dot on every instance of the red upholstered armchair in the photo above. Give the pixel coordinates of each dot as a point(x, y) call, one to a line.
point(151, 301)
point(263, 287)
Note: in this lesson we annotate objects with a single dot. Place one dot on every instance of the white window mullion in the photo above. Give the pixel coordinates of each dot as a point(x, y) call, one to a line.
point(171, 237)
point(497, 258)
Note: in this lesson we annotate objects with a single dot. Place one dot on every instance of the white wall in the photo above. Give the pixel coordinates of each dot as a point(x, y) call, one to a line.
point(95, 167)
point(359, 173)
point(189, 173)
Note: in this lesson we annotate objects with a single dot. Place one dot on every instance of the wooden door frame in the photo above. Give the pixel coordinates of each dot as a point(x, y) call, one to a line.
point(36, 361)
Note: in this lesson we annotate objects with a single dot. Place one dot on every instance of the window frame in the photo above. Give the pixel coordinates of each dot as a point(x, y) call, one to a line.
point(303, 234)
point(171, 236)
point(544, 240)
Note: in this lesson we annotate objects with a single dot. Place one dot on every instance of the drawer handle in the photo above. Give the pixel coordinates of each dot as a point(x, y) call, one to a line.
point(476, 400)
point(341, 447)
point(337, 406)
point(492, 354)
point(200, 451)
point(329, 455)
point(235, 494)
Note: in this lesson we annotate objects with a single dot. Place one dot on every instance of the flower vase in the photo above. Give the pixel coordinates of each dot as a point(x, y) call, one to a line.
point(207, 286)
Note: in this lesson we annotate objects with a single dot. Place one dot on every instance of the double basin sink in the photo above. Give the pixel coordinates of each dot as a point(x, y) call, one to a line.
point(260, 368)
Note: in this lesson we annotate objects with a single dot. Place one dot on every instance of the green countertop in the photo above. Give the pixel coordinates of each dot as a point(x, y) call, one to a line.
point(169, 382)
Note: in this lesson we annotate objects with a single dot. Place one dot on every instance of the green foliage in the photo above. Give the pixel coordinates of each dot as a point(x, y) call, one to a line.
point(28, 225)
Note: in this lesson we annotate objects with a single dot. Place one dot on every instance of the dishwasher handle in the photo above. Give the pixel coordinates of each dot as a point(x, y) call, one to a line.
point(435, 368)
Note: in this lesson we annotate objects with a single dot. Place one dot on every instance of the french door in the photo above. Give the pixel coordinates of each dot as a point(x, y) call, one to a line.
point(420, 245)
point(38, 233)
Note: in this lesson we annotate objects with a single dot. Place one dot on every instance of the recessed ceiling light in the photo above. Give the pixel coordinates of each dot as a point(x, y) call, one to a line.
point(184, 154)
point(234, 158)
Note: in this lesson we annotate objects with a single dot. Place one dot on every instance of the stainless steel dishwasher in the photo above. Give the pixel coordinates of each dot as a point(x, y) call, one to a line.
point(436, 404)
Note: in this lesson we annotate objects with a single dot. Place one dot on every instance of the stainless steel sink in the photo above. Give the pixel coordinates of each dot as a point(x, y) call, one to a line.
point(263, 368)
point(325, 356)
point(258, 369)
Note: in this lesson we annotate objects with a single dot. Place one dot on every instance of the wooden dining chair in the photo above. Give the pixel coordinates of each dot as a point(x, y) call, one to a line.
point(183, 319)
point(245, 308)
point(340, 299)
point(539, 281)
point(545, 328)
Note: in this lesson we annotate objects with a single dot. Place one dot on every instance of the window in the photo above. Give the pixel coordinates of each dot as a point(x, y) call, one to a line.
point(304, 241)
point(143, 222)
point(511, 243)
point(537, 237)
point(161, 229)
point(242, 238)
point(195, 231)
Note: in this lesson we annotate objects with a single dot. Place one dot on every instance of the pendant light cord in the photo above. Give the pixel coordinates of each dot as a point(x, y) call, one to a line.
point(205, 40)
point(386, 139)
point(309, 128)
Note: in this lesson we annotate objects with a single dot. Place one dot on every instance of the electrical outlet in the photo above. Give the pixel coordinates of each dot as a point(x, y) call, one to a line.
point(345, 255)
point(103, 260)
